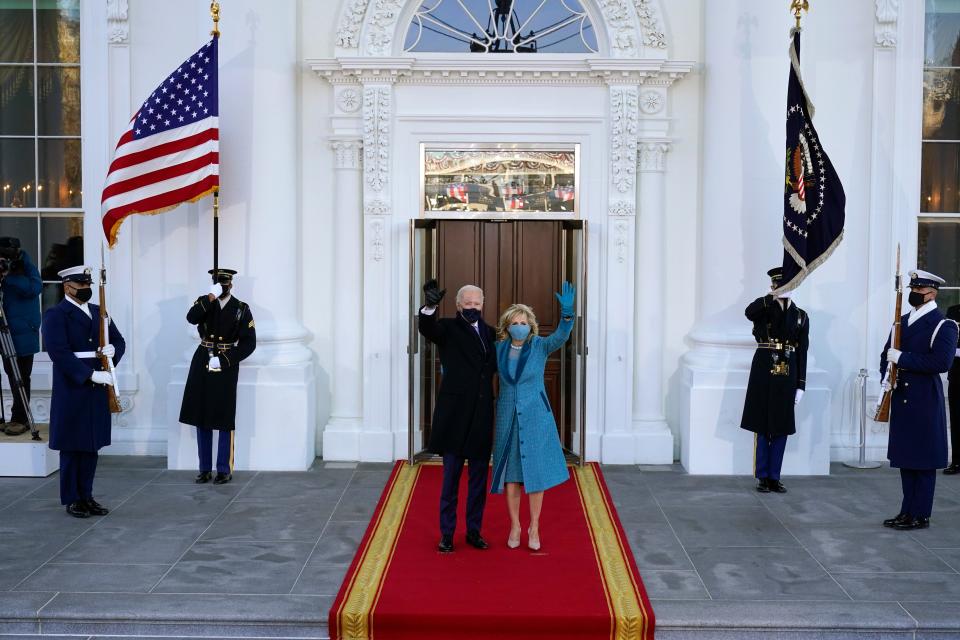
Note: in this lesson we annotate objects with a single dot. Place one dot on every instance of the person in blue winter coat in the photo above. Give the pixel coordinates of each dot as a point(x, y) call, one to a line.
point(21, 287)
point(918, 420)
point(526, 448)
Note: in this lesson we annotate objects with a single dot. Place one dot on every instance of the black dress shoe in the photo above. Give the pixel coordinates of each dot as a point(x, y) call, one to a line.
point(446, 544)
point(474, 540)
point(78, 510)
point(203, 477)
point(222, 478)
point(900, 517)
point(776, 486)
point(913, 523)
point(94, 508)
point(762, 485)
point(952, 470)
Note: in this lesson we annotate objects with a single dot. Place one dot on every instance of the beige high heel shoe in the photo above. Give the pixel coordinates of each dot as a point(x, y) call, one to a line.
point(512, 542)
point(533, 543)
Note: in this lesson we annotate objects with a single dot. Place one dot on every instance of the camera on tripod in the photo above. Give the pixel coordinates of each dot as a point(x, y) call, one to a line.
point(9, 254)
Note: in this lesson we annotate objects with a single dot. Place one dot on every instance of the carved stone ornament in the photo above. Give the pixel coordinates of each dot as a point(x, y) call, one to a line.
point(347, 153)
point(651, 102)
point(376, 135)
point(118, 26)
point(652, 156)
point(621, 27)
point(376, 240)
point(623, 137)
point(376, 208)
point(622, 208)
point(348, 30)
point(621, 240)
point(348, 99)
point(886, 25)
point(382, 25)
point(650, 23)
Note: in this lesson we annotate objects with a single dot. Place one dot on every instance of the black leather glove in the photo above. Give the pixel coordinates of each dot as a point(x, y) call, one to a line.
point(432, 292)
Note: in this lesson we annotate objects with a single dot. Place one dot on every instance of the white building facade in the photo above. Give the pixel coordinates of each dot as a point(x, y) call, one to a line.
point(676, 117)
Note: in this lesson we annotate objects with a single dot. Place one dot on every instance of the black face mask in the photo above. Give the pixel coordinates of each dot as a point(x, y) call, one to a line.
point(915, 299)
point(225, 290)
point(470, 315)
point(83, 295)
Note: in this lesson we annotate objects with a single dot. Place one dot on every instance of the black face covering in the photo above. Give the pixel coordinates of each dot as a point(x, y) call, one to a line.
point(225, 290)
point(470, 315)
point(915, 298)
point(84, 295)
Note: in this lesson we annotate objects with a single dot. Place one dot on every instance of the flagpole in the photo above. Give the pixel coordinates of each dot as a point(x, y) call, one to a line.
point(797, 6)
point(215, 15)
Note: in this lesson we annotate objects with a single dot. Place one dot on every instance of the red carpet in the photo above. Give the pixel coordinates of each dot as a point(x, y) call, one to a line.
point(583, 582)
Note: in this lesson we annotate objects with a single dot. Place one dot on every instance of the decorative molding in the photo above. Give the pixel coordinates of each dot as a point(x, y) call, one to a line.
point(348, 29)
point(377, 208)
point(382, 25)
point(348, 99)
point(651, 24)
point(621, 239)
point(376, 239)
point(118, 25)
point(621, 208)
point(347, 153)
point(621, 27)
point(376, 135)
point(623, 137)
point(652, 156)
point(651, 102)
point(885, 29)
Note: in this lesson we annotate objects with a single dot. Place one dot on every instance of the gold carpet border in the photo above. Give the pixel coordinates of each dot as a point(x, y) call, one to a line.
point(367, 580)
point(630, 618)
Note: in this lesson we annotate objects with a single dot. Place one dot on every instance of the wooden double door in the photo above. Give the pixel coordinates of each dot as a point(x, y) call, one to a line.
point(512, 261)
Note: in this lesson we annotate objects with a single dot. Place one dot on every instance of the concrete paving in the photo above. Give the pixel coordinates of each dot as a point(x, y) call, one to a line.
point(264, 555)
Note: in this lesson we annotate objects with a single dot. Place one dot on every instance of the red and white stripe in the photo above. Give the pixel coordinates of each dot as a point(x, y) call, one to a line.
point(161, 171)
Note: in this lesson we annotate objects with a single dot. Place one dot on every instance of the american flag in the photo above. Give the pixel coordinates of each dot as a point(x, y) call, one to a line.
point(513, 202)
point(170, 153)
point(564, 194)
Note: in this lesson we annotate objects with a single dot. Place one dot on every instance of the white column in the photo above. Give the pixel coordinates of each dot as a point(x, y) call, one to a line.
point(654, 440)
point(341, 434)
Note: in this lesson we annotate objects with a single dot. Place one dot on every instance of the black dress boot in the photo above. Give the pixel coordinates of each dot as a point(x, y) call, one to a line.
point(776, 486)
point(204, 477)
point(762, 485)
point(446, 544)
point(913, 523)
point(952, 470)
point(222, 478)
point(78, 510)
point(475, 540)
point(897, 519)
point(94, 508)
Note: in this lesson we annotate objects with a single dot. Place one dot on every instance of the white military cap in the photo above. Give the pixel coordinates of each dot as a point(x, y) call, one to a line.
point(80, 273)
point(920, 278)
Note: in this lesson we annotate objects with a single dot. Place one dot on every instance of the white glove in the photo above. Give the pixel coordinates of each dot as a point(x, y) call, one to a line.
point(796, 398)
point(108, 350)
point(893, 355)
point(215, 290)
point(884, 386)
point(101, 377)
point(214, 364)
point(957, 354)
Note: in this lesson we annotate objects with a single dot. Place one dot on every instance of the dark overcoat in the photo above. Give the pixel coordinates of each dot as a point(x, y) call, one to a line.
point(20, 291)
point(953, 313)
point(463, 416)
point(769, 405)
point(918, 417)
point(210, 397)
point(79, 410)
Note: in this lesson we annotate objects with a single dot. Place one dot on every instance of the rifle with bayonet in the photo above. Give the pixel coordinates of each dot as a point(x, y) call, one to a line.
point(889, 383)
point(105, 361)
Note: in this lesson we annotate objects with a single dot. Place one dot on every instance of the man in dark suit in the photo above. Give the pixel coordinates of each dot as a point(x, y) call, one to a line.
point(80, 418)
point(918, 420)
point(227, 336)
point(777, 380)
point(462, 427)
point(953, 395)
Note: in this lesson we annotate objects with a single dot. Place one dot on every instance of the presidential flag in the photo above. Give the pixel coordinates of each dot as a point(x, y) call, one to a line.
point(170, 153)
point(813, 199)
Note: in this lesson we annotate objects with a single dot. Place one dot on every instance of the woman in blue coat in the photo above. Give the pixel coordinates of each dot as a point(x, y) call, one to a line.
point(526, 447)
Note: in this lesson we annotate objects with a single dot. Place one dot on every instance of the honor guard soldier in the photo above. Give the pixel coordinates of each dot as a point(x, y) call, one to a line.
point(918, 419)
point(777, 379)
point(953, 395)
point(227, 336)
point(79, 411)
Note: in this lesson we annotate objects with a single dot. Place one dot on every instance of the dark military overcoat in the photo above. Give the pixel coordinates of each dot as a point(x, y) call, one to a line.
point(79, 410)
point(769, 405)
point(463, 416)
point(210, 397)
point(918, 418)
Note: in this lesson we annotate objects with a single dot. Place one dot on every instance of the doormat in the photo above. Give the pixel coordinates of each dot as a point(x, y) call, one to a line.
point(582, 583)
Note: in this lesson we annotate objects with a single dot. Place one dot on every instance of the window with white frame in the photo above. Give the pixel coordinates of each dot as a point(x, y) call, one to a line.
point(40, 172)
point(938, 233)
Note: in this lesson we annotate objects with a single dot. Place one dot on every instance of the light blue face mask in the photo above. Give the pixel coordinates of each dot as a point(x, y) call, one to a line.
point(519, 331)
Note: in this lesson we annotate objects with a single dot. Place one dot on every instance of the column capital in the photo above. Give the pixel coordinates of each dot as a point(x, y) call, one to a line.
point(118, 24)
point(347, 152)
point(652, 155)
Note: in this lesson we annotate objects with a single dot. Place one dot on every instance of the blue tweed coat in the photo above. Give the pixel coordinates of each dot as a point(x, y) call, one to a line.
point(541, 455)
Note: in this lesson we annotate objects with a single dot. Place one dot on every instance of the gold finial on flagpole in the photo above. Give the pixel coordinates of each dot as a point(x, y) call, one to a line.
point(797, 6)
point(215, 14)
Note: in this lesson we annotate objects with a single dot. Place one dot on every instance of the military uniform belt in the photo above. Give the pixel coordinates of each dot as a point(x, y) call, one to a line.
point(86, 354)
point(223, 346)
point(777, 346)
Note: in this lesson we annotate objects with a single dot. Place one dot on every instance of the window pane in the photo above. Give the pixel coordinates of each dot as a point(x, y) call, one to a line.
point(16, 101)
point(947, 298)
point(938, 249)
point(59, 173)
point(16, 172)
point(16, 31)
point(941, 104)
point(24, 229)
point(61, 244)
point(58, 31)
point(942, 33)
point(940, 177)
point(58, 110)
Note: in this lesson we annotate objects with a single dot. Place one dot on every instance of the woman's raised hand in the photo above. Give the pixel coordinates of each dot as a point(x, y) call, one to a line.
point(566, 298)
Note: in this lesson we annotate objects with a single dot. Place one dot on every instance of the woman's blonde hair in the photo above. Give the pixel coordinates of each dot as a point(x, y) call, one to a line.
point(507, 317)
